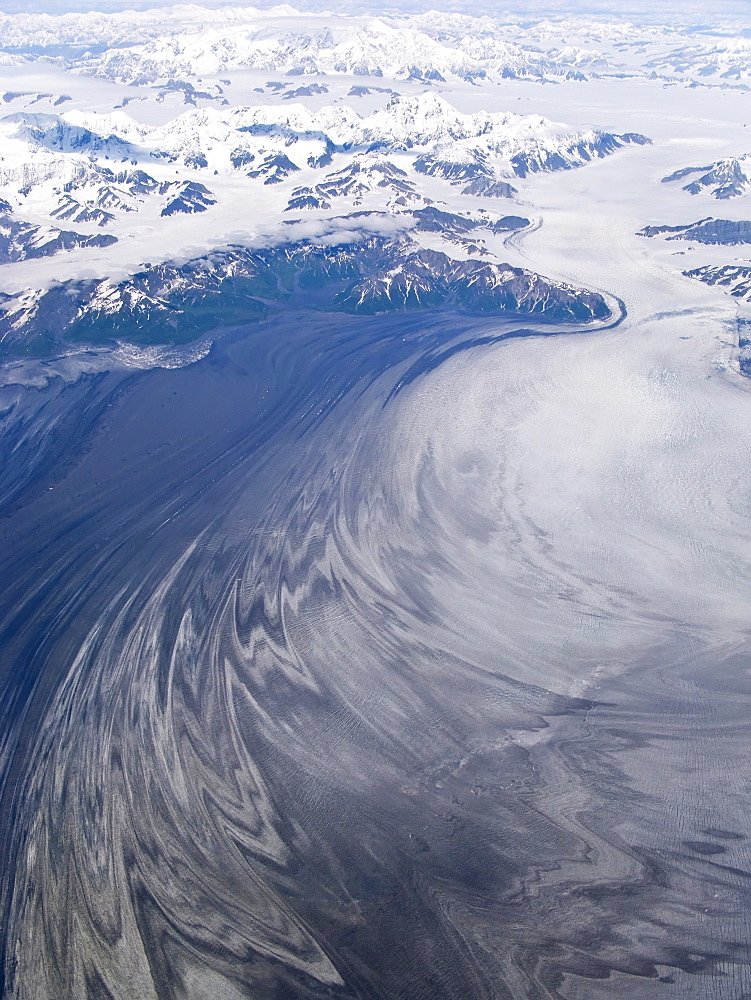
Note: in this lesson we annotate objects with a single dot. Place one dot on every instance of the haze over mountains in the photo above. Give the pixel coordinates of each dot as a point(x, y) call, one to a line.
point(672, 11)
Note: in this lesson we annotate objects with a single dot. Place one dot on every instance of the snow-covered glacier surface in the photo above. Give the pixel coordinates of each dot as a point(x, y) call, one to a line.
point(376, 525)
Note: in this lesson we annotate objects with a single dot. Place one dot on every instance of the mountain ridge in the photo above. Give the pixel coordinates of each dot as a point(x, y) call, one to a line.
point(178, 303)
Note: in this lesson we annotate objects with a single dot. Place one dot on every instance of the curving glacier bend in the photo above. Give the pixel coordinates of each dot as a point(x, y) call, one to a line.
point(387, 655)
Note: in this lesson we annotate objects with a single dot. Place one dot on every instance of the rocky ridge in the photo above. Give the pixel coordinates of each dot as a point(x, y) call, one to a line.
point(24, 241)
point(727, 178)
point(708, 231)
point(176, 303)
point(734, 278)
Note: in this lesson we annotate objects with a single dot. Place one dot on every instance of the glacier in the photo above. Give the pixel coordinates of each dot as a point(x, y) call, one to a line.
point(375, 532)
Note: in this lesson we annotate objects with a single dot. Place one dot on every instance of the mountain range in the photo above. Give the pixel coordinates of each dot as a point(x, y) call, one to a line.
point(726, 178)
point(181, 43)
point(112, 172)
point(177, 303)
point(709, 231)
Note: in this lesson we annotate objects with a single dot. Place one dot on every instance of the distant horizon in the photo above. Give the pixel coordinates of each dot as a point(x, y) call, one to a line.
point(694, 13)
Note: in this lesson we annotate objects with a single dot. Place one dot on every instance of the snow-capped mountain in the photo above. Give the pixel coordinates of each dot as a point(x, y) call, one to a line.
point(187, 198)
point(457, 164)
point(173, 303)
point(61, 160)
point(361, 177)
point(431, 46)
point(725, 178)
point(174, 45)
point(404, 123)
point(709, 231)
point(717, 61)
point(113, 173)
point(364, 46)
point(426, 278)
point(403, 127)
point(734, 278)
point(23, 241)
